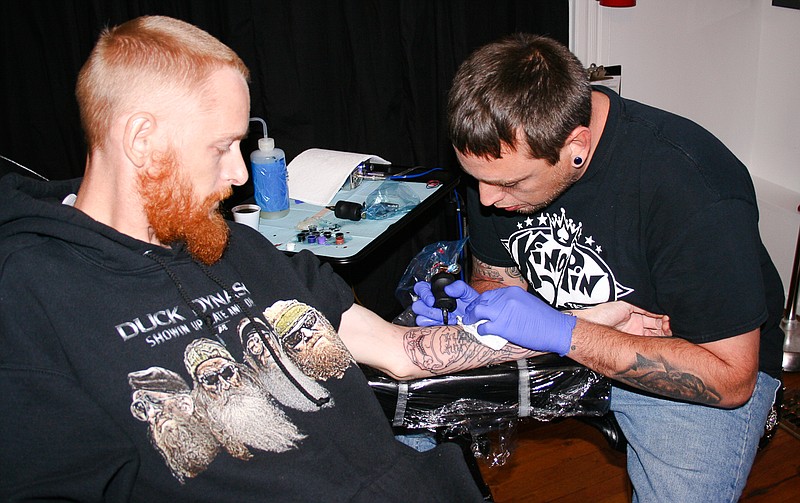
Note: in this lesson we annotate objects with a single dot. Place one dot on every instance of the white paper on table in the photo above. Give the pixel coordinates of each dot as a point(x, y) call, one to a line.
point(316, 175)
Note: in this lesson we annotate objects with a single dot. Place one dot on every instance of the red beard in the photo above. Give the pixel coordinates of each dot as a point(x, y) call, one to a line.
point(173, 214)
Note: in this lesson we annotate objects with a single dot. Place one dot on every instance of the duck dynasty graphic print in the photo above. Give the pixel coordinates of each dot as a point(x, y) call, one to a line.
point(239, 406)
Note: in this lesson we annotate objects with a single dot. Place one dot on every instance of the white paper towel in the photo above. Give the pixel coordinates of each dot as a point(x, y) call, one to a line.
point(316, 175)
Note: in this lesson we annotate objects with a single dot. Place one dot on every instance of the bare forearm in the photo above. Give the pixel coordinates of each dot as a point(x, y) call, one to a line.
point(666, 366)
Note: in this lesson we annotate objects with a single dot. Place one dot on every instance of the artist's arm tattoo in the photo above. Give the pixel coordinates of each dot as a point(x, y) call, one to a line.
point(513, 272)
point(485, 273)
point(444, 350)
point(659, 377)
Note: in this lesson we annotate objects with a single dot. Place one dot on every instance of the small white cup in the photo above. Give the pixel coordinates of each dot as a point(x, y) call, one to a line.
point(247, 214)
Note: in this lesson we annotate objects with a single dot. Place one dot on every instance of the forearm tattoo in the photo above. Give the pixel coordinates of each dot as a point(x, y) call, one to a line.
point(513, 272)
point(444, 350)
point(660, 378)
point(481, 271)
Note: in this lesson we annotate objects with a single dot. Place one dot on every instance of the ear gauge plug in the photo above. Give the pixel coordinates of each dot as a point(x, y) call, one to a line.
point(577, 162)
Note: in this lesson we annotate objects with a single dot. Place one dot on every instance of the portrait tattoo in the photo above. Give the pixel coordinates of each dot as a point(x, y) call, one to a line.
point(659, 377)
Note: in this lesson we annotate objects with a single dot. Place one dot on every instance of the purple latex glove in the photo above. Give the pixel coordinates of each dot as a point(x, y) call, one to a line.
point(523, 319)
point(428, 315)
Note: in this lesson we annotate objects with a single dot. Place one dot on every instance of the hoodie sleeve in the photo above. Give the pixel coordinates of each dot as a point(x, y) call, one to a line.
point(334, 294)
point(57, 443)
point(302, 272)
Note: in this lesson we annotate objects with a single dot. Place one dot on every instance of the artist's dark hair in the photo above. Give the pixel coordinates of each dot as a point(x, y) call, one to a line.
point(523, 84)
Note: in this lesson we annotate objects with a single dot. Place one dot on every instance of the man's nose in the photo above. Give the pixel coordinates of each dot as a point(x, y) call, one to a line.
point(489, 194)
point(235, 169)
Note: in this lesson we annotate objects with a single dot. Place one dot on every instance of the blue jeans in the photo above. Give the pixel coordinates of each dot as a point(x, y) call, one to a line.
point(679, 452)
point(420, 441)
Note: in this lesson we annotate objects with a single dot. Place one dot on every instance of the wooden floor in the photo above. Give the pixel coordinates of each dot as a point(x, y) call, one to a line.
point(569, 461)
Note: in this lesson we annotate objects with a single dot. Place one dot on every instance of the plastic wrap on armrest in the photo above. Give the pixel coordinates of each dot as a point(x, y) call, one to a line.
point(544, 388)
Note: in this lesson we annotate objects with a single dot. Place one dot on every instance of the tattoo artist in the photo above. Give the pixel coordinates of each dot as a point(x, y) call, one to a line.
point(582, 197)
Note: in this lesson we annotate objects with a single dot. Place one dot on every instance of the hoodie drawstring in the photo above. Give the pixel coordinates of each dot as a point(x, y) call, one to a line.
point(208, 321)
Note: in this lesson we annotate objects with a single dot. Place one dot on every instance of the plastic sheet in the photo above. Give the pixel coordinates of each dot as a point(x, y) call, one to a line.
point(442, 255)
point(389, 199)
point(544, 387)
point(484, 405)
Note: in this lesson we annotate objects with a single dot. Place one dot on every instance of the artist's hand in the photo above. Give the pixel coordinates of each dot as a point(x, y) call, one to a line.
point(428, 315)
point(627, 318)
point(522, 319)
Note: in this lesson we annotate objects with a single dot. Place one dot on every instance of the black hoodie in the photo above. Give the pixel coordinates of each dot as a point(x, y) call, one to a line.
point(123, 375)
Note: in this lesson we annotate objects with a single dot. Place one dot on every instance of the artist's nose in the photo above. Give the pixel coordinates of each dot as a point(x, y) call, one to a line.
point(490, 194)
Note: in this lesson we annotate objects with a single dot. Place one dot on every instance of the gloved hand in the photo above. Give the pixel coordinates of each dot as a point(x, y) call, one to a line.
point(428, 315)
point(521, 318)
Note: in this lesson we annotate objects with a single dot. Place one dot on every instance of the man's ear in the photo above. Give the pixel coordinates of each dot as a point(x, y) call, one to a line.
point(579, 142)
point(138, 137)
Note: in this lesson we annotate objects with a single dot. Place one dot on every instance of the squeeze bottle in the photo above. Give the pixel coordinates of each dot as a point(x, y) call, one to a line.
point(270, 178)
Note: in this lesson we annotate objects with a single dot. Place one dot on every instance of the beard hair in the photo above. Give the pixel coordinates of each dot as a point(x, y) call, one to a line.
point(330, 360)
point(187, 445)
point(566, 181)
point(174, 215)
point(245, 414)
point(284, 391)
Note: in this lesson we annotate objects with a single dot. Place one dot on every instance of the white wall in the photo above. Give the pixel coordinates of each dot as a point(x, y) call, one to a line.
point(731, 65)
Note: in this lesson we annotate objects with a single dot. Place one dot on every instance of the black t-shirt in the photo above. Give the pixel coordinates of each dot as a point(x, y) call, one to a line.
point(664, 218)
point(131, 373)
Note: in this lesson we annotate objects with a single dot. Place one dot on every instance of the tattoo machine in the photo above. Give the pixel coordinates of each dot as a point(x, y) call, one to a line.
point(389, 199)
point(443, 301)
point(441, 256)
point(348, 210)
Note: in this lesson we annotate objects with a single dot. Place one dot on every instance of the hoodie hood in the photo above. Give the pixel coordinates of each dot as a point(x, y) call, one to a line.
point(32, 210)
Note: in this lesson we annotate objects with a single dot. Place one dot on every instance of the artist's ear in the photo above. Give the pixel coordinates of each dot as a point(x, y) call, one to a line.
point(138, 137)
point(579, 143)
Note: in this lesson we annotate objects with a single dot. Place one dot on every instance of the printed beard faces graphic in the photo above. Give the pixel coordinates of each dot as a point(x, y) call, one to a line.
point(236, 406)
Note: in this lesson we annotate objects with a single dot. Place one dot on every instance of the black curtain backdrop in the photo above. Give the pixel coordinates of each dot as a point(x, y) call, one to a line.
point(368, 76)
point(362, 75)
